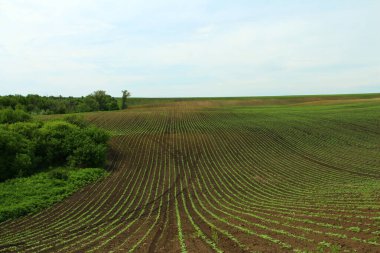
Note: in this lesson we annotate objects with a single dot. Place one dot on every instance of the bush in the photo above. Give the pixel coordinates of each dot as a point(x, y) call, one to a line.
point(98, 135)
point(88, 155)
point(88, 147)
point(16, 155)
point(60, 173)
point(26, 129)
point(9, 116)
point(77, 120)
point(53, 136)
point(42, 190)
point(28, 147)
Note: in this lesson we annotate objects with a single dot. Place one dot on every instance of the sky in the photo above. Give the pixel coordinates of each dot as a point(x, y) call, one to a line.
point(182, 48)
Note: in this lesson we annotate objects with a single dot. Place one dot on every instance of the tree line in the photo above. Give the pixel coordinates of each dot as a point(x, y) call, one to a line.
point(35, 104)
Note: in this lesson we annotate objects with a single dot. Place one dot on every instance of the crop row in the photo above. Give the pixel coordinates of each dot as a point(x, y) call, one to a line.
point(187, 178)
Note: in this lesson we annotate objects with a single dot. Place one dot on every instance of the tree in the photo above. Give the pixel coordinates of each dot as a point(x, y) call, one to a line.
point(15, 155)
point(112, 104)
point(105, 102)
point(89, 104)
point(53, 146)
point(101, 97)
point(36, 104)
point(11, 116)
point(126, 94)
point(28, 147)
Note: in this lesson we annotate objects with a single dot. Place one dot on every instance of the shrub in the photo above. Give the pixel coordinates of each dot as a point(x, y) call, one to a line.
point(88, 147)
point(77, 120)
point(16, 155)
point(88, 155)
point(98, 135)
point(60, 173)
point(42, 190)
point(12, 116)
point(27, 129)
point(28, 147)
point(52, 141)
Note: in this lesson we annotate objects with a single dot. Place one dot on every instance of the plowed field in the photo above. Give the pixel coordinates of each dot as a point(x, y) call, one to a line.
point(210, 176)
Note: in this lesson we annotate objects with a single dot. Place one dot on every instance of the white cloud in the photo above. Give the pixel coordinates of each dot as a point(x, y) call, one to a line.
point(163, 48)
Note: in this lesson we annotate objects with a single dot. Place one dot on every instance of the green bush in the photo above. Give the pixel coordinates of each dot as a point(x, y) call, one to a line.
point(98, 135)
point(26, 129)
point(77, 120)
point(8, 116)
point(16, 155)
point(88, 147)
point(60, 173)
point(29, 147)
point(52, 139)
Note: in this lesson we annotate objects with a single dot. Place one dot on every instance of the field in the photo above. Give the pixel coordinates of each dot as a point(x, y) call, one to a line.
point(291, 174)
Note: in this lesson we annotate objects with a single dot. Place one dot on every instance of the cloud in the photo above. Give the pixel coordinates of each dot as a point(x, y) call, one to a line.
point(188, 48)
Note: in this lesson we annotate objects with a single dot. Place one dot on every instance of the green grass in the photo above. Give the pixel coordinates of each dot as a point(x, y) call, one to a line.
point(22, 196)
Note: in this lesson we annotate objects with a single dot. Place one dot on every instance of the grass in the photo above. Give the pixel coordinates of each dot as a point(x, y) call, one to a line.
point(23, 196)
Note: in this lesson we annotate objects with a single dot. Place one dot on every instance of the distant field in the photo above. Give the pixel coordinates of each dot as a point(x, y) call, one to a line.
point(266, 99)
point(258, 174)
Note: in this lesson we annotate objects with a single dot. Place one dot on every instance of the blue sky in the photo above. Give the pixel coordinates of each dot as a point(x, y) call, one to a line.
point(179, 48)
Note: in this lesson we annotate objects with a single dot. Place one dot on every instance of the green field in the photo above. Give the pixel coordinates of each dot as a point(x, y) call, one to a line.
point(272, 174)
point(135, 101)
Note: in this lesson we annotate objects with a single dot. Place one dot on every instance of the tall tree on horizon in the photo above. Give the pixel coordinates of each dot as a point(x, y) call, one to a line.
point(126, 94)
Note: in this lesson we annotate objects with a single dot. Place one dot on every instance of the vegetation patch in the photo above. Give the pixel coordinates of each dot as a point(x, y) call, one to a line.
point(35, 104)
point(21, 196)
point(29, 147)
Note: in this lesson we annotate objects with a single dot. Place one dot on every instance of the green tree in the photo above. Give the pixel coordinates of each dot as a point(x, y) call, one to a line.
point(26, 129)
point(112, 104)
point(105, 102)
point(36, 104)
point(52, 144)
point(11, 116)
point(100, 97)
point(126, 94)
point(16, 155)
point(28, 147)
